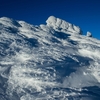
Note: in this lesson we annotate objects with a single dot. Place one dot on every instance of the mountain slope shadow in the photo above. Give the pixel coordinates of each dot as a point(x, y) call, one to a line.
point(66, 67)
point(61, 35)
point(32, 42)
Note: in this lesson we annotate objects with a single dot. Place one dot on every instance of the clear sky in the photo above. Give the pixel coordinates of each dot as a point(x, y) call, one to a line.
point(83, 13)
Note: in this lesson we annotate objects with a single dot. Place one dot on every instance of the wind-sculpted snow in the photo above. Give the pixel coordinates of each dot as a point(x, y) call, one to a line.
point(61, 25)
point(47, 62)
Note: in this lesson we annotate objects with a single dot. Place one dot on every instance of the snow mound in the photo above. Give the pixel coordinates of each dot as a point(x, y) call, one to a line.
point(59, 24)
point(9, 22)
point(89, 34)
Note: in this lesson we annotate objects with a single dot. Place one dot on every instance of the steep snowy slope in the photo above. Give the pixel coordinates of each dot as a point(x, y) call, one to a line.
point(48, 62)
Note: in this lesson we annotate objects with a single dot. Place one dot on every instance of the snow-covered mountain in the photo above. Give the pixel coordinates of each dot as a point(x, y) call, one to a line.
point(48, 62)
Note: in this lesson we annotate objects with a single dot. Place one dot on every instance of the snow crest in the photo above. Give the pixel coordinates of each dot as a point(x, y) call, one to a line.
point(60, 24)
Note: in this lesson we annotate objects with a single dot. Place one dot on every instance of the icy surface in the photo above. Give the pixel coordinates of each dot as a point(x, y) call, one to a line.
point(48, 62)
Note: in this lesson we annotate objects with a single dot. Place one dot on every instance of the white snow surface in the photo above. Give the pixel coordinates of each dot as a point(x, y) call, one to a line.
point(47, 62)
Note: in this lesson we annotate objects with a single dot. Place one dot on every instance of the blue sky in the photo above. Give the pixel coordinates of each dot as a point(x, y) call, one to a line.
point(83, 13)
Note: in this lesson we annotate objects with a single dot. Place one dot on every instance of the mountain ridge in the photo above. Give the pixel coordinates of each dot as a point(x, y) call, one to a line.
point(47, 62)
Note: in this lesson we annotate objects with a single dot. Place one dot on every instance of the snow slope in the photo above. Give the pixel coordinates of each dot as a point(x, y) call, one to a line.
point(48, 62)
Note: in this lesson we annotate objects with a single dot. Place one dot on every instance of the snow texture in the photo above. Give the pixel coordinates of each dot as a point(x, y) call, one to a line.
point(48, 62)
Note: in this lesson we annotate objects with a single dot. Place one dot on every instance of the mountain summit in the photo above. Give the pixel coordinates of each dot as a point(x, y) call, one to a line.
point(59, 24)
point(48, 62)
